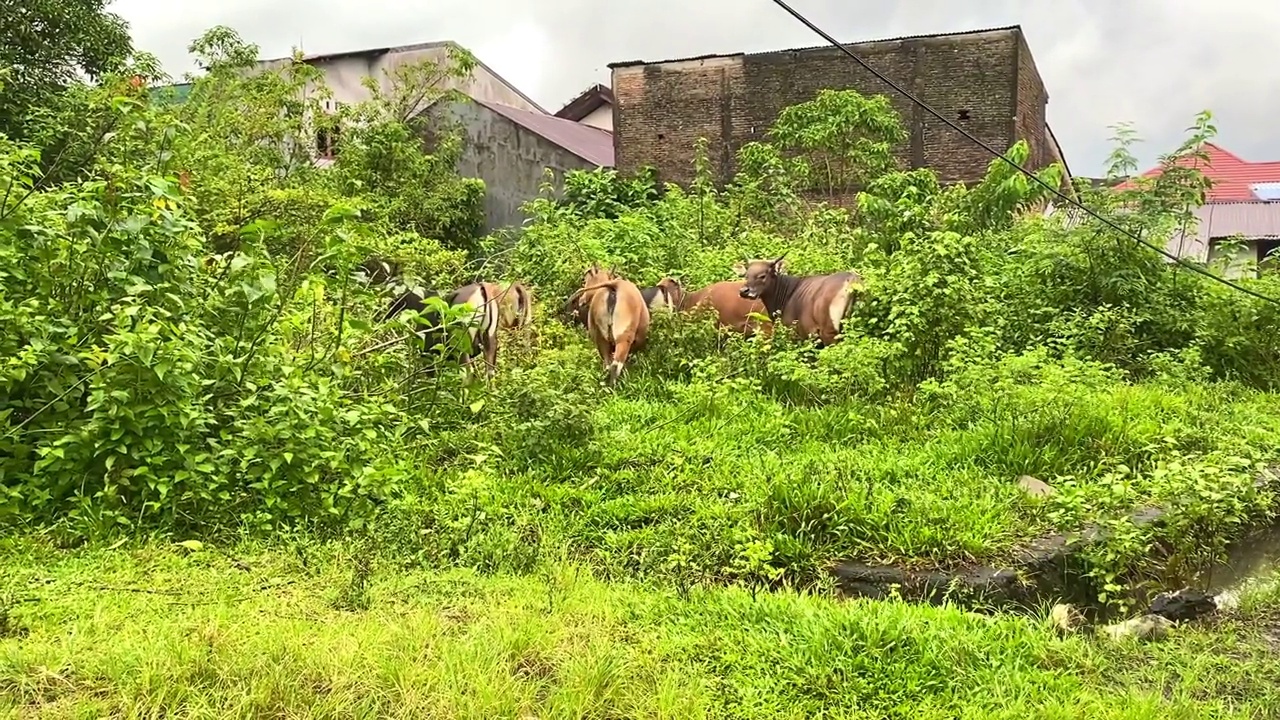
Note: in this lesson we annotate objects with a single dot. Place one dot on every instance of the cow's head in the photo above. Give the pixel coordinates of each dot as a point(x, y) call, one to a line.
point(596, 274)
point(758, 276)
point(574, 307)
point(672, 288)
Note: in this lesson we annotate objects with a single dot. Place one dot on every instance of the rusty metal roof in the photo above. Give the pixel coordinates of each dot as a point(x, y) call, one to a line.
point(589, 143)
point(824, 46)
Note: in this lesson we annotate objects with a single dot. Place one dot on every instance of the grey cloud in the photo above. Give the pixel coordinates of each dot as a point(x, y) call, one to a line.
point(1153, 62)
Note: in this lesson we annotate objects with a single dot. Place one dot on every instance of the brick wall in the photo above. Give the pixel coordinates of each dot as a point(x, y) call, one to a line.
point(976, 79)
point(1031, 101)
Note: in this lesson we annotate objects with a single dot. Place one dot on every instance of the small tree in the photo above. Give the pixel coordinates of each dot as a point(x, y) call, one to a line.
point(50, 45)
point(846, 138)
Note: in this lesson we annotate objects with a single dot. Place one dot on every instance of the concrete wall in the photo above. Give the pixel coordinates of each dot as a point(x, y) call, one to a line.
point(601, 117)
point(663, 108)
point(507, 157)
point(345, 74)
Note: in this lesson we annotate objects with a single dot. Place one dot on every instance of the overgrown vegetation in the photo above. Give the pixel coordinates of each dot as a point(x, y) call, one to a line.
point(184, 350)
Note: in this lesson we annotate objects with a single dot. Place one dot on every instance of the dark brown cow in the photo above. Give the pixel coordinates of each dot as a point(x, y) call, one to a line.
point(484, 297)
point(813, 304)
point(732, 310)
point(617, 317)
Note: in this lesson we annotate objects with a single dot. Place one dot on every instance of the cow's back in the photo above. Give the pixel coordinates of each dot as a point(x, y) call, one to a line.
point(732, 310)
point(820, 303)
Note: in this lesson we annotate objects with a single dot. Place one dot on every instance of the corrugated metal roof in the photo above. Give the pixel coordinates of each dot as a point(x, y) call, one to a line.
point(1254, 220)
point(1232, 177)
point(177, 92)
point(1258, 219)
point(591, 144)
point(825, 46)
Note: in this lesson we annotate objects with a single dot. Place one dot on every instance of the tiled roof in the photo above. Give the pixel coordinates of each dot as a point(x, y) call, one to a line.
point(1233, 178)
point(591, 144)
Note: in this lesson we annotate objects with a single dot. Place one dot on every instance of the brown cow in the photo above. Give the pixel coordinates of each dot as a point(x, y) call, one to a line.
point(617, 317)
point(813, 304)
point(732, 309)
point(667, 293)
point(517, 306)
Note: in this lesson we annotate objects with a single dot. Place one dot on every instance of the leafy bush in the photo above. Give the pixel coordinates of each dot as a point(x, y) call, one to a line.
point(177, 350)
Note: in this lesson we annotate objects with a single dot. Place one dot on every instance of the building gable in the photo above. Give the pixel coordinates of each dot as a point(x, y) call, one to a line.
point(593, 106)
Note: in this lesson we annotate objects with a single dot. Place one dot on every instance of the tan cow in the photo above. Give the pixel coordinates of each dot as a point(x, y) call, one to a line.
point(813, 304)
point(617, 317)
point(732, 310)
point(516, 302)
point(668, 293)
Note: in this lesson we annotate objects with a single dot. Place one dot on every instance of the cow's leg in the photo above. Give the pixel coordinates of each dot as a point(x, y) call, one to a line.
point(604, 348)
point(826, 337)
point(620, 352)
point(490, 356)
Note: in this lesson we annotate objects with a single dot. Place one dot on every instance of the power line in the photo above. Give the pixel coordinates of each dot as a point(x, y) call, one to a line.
point(1072, 201)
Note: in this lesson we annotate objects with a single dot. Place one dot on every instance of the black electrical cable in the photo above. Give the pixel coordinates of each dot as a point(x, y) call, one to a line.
point(1072, 201)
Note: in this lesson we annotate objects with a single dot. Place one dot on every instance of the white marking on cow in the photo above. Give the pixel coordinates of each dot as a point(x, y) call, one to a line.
point(621, 322)
point(839, 305)
point(482, 314)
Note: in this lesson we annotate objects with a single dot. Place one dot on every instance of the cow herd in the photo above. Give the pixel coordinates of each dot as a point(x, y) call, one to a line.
point(616, 313)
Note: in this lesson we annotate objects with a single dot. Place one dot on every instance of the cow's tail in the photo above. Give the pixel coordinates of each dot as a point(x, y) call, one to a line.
point(611, 309)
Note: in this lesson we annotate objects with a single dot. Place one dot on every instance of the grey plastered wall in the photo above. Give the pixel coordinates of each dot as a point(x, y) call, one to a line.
point(509, 158)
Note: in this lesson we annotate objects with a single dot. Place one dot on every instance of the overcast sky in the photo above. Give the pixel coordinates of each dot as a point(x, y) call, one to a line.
point(1153, 62)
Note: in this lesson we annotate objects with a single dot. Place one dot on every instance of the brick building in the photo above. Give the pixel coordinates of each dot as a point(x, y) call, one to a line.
point(985, 81)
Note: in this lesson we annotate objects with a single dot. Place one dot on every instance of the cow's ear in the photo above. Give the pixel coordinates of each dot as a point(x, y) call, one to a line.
point(740, 269)
point(778, 265)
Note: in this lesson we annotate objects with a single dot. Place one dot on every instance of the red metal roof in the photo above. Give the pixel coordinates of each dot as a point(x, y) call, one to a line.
point(589, 143)
point(1231, 175)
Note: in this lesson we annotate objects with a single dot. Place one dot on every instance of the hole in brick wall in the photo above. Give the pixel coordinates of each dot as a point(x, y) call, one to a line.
point(963, 114)
point(661, 136)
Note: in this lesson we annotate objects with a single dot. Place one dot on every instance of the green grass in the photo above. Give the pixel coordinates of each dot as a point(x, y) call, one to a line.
point(157, 631)
point(693, 471)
